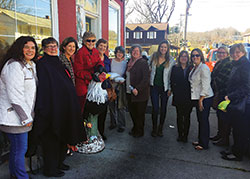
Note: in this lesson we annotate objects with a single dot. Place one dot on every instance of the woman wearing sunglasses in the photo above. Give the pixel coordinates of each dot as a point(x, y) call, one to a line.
point(87, 60)
point(201, 96)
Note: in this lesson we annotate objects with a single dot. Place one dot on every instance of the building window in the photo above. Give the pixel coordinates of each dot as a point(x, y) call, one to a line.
point(127, 35)
point(88, 18)
point(22, 18)
point(151, 35)
point(114, 25)
point(137, 35)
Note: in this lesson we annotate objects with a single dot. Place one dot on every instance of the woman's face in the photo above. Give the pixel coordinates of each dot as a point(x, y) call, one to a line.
point(119, 55)
point(136, 53)
point(184, 59)
point(51, 49)
point(102, 47)
point(90, 42)
point(29, 51)
point(221, 54)
point(70, 49)
point(237, 54)
point(196, 58)
point(163, 48)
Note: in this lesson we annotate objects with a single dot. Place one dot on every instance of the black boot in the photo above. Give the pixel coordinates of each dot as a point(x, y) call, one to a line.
point(154, 123)
point(159, 132)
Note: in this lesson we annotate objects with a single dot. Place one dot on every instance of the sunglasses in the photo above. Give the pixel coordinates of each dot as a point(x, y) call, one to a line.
point(197, 55)
point(90, 40)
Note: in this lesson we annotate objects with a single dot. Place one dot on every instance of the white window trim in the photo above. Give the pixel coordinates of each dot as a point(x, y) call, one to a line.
point(55, 24)
point(115, 5)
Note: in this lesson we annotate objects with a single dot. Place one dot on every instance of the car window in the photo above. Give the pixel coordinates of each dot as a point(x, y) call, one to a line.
point(214, 56)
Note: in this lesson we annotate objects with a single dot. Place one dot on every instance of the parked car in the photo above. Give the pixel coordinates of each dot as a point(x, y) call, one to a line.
point(248, 52)
point(211, 59)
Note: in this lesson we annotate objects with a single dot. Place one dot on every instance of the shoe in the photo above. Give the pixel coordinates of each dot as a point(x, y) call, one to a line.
point(69, 152)
point(138, 135)
point(154, 134)
point(64, 167)
point(112, 127)
point(131, 132)
point(198, 147)
point(104, 137)
point(179, 139)
point(231, 157)
point(184, 139)
point(215, 138)
point(195, 143)
point(221, 143)
point(159, 132)
point(56, 174)
point(13, 176)
point(120, 130)
point(225, 152)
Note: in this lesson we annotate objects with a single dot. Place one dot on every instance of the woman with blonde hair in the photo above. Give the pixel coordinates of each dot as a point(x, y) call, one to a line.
point(161, 64)
point(219, 80)
point(87, 61)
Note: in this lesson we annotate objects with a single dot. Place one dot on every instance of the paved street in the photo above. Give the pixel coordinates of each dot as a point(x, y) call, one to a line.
point(153, 158)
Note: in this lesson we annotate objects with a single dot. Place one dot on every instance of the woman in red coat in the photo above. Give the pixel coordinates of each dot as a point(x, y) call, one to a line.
point(87, 61)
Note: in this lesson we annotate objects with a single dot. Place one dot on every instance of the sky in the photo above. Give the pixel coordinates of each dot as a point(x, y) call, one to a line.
point(207, 15)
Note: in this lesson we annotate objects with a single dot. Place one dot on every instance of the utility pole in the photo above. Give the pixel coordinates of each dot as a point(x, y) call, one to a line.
point(188, 4)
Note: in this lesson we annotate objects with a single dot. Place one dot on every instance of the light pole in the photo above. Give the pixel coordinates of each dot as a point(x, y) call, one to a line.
point(188, 4)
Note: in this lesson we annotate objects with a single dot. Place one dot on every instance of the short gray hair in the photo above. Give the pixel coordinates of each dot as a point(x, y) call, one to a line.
point(135, 46)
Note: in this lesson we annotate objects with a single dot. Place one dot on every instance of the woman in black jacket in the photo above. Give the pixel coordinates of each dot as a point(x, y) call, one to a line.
point(238, 90)
point(57, 111)
point(180, 87)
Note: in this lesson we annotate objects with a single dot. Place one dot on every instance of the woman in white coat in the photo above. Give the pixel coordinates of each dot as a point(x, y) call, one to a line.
point(201, 96)
point(17, 96)
point(161, 65)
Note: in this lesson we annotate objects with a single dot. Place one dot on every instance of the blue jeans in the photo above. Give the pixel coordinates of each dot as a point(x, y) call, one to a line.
point(18, 148)
point(157, 93)
point(203, 120)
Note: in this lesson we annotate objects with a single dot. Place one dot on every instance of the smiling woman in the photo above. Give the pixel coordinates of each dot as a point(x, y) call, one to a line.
point(17, 93)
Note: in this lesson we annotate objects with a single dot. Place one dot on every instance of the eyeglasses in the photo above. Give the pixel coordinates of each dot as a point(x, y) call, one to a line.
point(183, 56)
point(221, 53)
point(88, 40)
point(51, 46)
point(197, 55)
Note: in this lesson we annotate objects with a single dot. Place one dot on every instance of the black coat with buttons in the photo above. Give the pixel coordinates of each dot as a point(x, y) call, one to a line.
point(180, 86)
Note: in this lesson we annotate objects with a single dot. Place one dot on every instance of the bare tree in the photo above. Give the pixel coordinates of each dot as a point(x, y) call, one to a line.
point(154, 11)
point(129, 10)
point(7, 4)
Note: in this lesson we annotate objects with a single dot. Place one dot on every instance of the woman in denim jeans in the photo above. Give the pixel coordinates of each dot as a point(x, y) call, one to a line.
point(201, 96)
point(17, 96)
point(161, 64)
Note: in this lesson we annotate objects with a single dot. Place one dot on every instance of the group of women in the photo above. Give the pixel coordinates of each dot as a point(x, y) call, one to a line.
point(47, 97)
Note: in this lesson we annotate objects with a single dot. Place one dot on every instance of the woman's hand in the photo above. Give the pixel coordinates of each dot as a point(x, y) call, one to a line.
point(135, 91)
point(169, 93)
point(29, 124)
point(226, 98)
point(201, 107)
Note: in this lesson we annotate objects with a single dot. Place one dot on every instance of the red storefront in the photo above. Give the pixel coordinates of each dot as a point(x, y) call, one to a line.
point(62, 18)
point(100, 18)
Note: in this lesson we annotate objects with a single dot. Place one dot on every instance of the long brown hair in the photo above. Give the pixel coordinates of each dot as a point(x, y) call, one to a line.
point(156, 55)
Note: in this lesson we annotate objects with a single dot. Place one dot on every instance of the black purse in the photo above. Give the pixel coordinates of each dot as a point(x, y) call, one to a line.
point(238, 106)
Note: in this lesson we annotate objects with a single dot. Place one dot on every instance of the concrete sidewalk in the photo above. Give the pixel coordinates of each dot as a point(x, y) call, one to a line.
point(153, 158)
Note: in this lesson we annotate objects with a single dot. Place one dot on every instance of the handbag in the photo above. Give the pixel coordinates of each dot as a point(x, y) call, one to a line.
point(238, 106)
